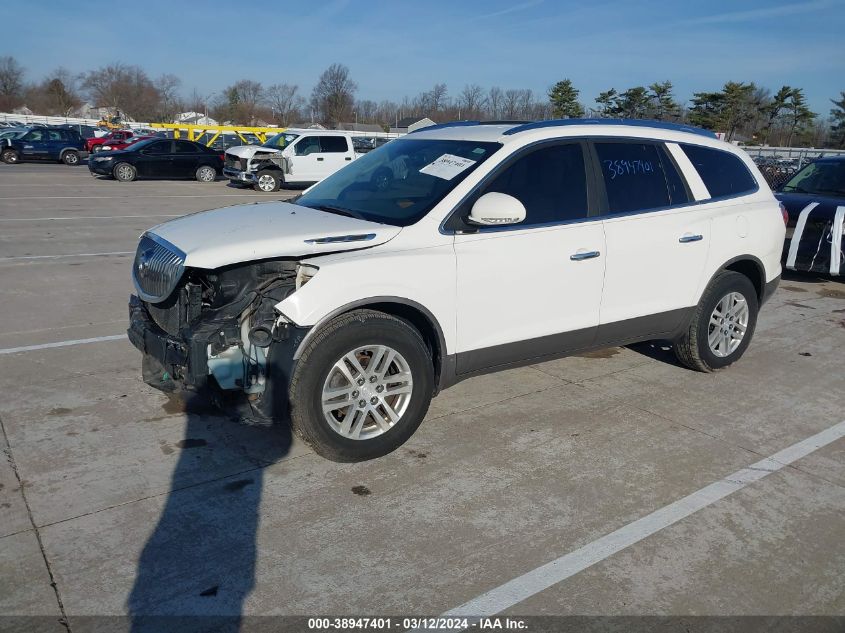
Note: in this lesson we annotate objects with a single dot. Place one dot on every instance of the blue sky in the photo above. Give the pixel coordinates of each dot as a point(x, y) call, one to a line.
point(400, 48)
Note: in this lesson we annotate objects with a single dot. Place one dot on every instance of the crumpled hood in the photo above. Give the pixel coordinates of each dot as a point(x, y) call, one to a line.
point(248, 151)
point(263, 230)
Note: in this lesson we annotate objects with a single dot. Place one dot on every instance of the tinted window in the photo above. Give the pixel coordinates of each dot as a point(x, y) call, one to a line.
point(34, 135)
point(723, 174)
point(162, 147)
point(633, 176)
point(551, 182)
point(333, 144)
point(308, 145)
point(186, 147)
point(54, 135)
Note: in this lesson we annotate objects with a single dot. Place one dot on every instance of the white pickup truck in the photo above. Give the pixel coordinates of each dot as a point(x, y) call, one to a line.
point(294, 156)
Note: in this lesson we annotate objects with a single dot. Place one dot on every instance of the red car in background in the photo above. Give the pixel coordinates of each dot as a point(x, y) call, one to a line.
point(95, 144)
point(121, 144)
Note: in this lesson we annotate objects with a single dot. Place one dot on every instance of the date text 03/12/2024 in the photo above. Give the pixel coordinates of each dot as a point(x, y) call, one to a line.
point(416, 624)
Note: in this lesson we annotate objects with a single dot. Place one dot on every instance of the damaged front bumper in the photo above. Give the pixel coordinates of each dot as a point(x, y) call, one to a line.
point(239, 175)
point(189, 361)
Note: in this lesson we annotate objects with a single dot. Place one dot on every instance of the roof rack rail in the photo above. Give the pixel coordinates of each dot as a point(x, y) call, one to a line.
point(663, 125)
point(440, 126)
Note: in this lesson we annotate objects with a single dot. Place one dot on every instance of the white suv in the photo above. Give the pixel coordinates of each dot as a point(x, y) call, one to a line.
point(457, 250)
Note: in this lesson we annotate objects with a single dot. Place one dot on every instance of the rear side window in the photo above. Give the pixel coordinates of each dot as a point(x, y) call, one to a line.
point(186, 147)
point(723, 173)
point(633, 176)
point(333, 144)
point(551, 182)
point(678, 192)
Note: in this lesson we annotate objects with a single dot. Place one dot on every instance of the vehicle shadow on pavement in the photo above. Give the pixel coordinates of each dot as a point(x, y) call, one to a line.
point(198, 565)
point(657, 350)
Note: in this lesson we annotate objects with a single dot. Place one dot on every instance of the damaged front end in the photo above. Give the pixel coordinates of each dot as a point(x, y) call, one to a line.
point(214, 331)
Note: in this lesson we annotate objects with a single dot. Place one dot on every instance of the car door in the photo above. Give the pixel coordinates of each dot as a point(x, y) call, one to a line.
point(54, 143)
point(34, 144)
point(303, 162)
point(186, 158)
point(155, 159)
point(657, 241)
point(335, 152)
point(533, 289)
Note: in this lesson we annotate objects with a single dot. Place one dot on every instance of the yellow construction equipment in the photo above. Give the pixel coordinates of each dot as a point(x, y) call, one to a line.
point(195, 132)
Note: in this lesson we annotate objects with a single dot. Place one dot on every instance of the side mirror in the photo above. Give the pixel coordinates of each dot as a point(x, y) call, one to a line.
point(496, 209)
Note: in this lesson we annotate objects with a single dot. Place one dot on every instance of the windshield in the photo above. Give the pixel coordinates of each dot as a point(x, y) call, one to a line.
point(280, 141)
point(399, 182)
point(138, 145)
point(823, 178)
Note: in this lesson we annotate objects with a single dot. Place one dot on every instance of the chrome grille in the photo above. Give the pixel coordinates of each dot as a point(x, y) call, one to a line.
point(157, 269)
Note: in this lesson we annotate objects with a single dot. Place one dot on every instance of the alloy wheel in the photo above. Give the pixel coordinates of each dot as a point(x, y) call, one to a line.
point(728, 324)
point(366, 392)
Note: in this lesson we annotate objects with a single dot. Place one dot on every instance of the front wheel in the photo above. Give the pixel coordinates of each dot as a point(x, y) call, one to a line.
point(722, 325)
point(124, 172)
point(267, 181)
point(11, 157)
point(361, 387)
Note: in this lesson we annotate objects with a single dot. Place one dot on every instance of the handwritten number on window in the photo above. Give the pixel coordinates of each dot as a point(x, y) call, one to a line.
point(628, 168)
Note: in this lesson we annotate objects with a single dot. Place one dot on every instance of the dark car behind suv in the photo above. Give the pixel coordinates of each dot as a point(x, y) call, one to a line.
point(158, 158)
point(55, 144)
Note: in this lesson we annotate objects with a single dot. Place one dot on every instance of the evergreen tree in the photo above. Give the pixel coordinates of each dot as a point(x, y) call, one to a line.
point(563, 97)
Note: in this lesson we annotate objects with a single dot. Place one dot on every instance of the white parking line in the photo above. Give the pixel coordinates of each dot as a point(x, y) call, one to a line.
point(21, 257)
point(79, 341)
point(94, 217)
point(533, 582)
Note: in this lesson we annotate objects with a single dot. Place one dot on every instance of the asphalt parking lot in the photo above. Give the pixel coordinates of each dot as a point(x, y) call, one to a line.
point(116, 500)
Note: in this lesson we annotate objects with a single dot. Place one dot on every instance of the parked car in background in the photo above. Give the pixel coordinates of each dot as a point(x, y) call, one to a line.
point(454, 251)
point(814, 200)
point(95, 144)
point(158, 158)
point(291, 157)
point(58, 144)
point(85, 131)
point(122, 144)
point(12, 132)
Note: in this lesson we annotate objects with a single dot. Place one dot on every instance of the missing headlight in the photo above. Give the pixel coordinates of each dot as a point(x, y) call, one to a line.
point(304, 273)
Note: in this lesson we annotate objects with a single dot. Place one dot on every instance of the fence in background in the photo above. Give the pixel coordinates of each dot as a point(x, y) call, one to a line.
point(779, 164)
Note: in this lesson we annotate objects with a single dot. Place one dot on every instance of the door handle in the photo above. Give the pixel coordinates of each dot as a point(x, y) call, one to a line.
point(347, 158)
point(319, 159)
point(577, 257)
point(686, 239)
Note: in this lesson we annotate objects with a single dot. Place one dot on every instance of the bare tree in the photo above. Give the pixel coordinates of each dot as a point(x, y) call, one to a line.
point(471, 101)
point(56, 95)
point(127, 89)
point(169, 104)
point(334, 94)
point(285, 102)
point(11, 83)
point(494, 102)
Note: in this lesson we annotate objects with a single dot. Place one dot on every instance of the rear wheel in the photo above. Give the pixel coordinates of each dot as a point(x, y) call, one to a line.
point(722, 325)
point(206, 173)
point(268, 181)
point(70, 157)
point(361, 387)
point(11, 157)
point(124, 172)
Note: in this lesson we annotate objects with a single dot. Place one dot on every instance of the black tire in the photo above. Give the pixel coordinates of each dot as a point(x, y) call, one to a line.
point(343, 334)
point(693, 348)
point(11, 157)
point(124, 172)
point(263, 182)
point(71, 158)
point(201, 173)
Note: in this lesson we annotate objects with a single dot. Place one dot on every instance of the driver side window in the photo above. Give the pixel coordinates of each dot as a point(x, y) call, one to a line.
point(551, 182)
point(308, 145)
